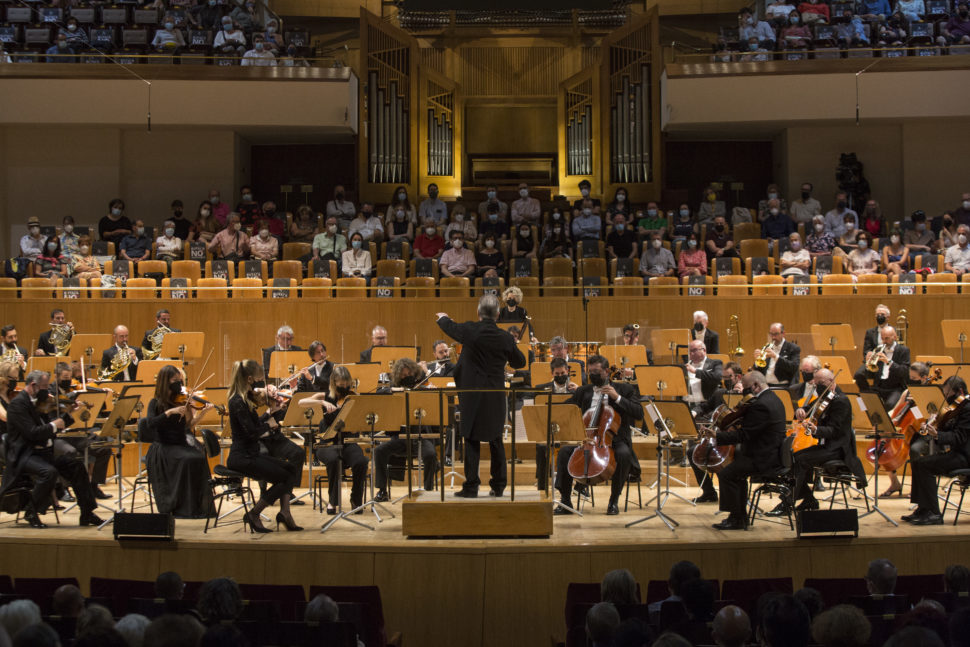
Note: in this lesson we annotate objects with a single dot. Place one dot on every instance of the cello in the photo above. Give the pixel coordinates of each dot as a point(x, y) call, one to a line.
point(593, 462)
point(707, 454)
point(907, 420)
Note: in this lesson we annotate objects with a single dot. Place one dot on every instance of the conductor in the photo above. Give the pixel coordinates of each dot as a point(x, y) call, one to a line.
point(486, 349)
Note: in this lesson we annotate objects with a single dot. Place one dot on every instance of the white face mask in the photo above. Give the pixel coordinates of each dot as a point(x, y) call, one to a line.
point(849, 226)
point(170, 231)
point(657, 243)
point(524, 193)
point(962, 239)
point(490, 244)
point(966, 204)
point(621, 197)
point(795, 246)
point(429, 231)
point(457, 243)
point(819, 228)
point(68, 228)
point(894, 240)
point(84, 250)
point(264, 233)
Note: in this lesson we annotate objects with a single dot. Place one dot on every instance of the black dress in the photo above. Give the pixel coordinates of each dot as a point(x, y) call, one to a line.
point(177, 470)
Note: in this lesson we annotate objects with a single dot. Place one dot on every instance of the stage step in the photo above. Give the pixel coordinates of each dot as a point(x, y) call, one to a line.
point(428, 516)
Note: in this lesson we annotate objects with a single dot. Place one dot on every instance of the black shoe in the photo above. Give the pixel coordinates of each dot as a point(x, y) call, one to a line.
point(90, 519)
point(33, 520)
point(297, 502)
point(331, 510)
point(100, 494)
point(466, 494)
point(66, 497)
point(807, 504)
point(928, 519)
point(731, 523)
point(255, 523)
point(354, 505)
point(448, 461)
point(915, 514)
point(58, 506)
point(563, 511)
point(289, 524)
point(496, 493)
point(819, 485)
point(780, 510)
point(612, 509)
point(381, 496)
point(706, 498)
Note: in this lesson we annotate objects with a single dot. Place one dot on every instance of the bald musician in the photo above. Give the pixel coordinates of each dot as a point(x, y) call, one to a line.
point(892, 368)
point(120, 338)
point(781, 358)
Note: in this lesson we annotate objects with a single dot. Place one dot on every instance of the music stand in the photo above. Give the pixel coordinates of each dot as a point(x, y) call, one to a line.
point(387, 355)
point(839, 366)
point(662, 382)
point(670, 339)
point(297, 416)
point(423, 409)
point(837, 336)
point(148, 369)
point(374, 413)
point(670, 420)
point(955, 332)
point(367, 376)
point(622, 356)
point(90, 346)
point(83, 422)
point(284, 363)
point(871, 404)
point(111, 430)
point(47, 364)
point(549, 425)
point(182, 345)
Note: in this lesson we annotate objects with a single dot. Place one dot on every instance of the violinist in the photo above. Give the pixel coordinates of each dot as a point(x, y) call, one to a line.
point(836, 440)
point(761, 435)
point(341, 386)
point(248, 430)
point(780, 357)
point(175, 462)
point(731, 384)
point(98, 457)
point(891, 361)
point(442, 366)
point(919, 374)
point(803, 391)
point(623, 398)
point(953, 431)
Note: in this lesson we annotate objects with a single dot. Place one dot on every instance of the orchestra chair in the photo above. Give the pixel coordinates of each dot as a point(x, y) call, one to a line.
point(752, 247)
point(938, 267)
point(831, 263)
point(933, 281)
point(143, 268)
point(628, 286)
point(936, 359)
point(230, 271)
point(221, 293)
point(295, 251)
point(780, 481)
point(139, 288)
point(291, 290)
point(708, 286)
point(480, 288)
point(316, 286)
point(10, 288)
point(732, 285)
point(790, 283)
point(166, 290)
point(960, 479)
point(353, 287)
point(663, 286)
point(419, 286)
point(144, 436)
point(247, 289)
point(241, 271)
point(319, 268)
point(724, 357)
point(746, 231)
point(872, 284)
point(82, 283)
point(557, 267)
point(528, 284)
point(592, 267)
point(557, 286)
point(725, 266)
point(454, 287)
point(21, 489)
point(434, 269)
point(837, 472)
point(36, 288)
point(288, 270)
point(396, 267)
point(190, 270)
point(223, 481)
point(837, 284)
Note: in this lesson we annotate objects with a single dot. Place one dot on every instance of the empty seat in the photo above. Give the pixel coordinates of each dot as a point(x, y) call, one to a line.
point(454, 286)
point(767, 285)
point(316, 287)
point(837, 284)
point(628, 286)
point(288, 270)
point(528, 284)
point(419, 286)
point(732, 286)
point(351, 287)
point(945, 283)
point(394, 267)
point(557, 267)
point(295, 251)
point(872, 284)
point(557, 286)
point(190, 270)
point(246, 288)
point(144, 268)
point(140, 288)
point(36, 288)
point(214, 288)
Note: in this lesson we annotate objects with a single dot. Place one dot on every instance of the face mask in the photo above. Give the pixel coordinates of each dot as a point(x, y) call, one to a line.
point(584, 192)
point(34, 230)
point(214, 200)
point(794, 20)
point(894, 240)
point(140, 231)
point(806, 195)
point(657, 243)
point(237, 226)
point(773, 211)
point(170, 26)
point(849, 226)
point(621, 197)
point(962, 239)
point(557, 230)
point(356, 244)
point(261, 384)
point(177, 213)
point(842, 205)
point(692, 244)
point(652, 213)
point(457, 243)
point(684, 214)
point(912, 382)
point(490, 244)
point(523, 193)
point(227, 26)
point(459, 218)
point(399, 214)
point(698, 326)
point(169, 231)
point(247, 197)
point(11, 384)
point(264, 233)
point(511, 303)
point(597, 379)
point(560, 380)
point(863, 244)
point(556, 215)
point(746, 391)
point(807, 377)
point(920, 227)
point(947, 222)
point(881, 320)
point(271, 29)
point(433, 194)
point(342, 391)
point(175, 388)
point(491, 195)
point(64, 385)
point(718, 227)
point(524, 233)
point(72, 27)
point(84, 250)
point(953, 398)
point(493, 217)
point(966, 204)
point(429, 231)
point(205, 213)
point(62, 44)
point(408, 381)
point(795, 246)
point(819, 228)
point(587, 212)
point(116, 212)
point(620, 226)
point(258, 47)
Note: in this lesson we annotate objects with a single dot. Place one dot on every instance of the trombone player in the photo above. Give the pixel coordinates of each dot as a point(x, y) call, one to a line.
point(886, 368)
point(118, 362)
point(778, 359)
point(61, 330)
point(151, 344)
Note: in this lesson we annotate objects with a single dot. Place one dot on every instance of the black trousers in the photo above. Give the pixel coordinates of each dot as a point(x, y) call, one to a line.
point(805, 461)
point(399, 446)
point(473, 454)
point(99, 456)
point(279, 446)
point(542, 465)
point(280, 474)
point(925, 471)
point(624, 462)
point(889, 396)
point(705, 480)
point(733, 481)
point(45, 469)
point(352, 456)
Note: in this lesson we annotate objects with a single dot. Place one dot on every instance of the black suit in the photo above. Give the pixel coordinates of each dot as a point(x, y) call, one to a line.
point(321, 378)
point(870, 341)
point(245, 455)
point(711, 342)
point(365, 356)
point(268, 352)
point(630, 410)
point(786, 366)
point(146, 343)
point(956, 434)
point(710, 374)
point(761, 435)
point(486, 349)
point(892, 387)
point(836, 442)
point(447, 368)
point(127, 375)
point(30, 452)
point(44, 343)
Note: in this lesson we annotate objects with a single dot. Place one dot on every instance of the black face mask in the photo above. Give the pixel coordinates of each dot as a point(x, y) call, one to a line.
point(512, 303)
point(42, 395)
point(11, 385)
point(842, 204)
point(728, 384)
point(952, 399)
point(340, 195)
point(719, 228)
point(747, 392)
point(561, 380)
point(178, 213)
point(881, 319)
point(806, 195)
point(597, 379)
point(698, 326)
point(342, 391)
point(807, 377)
point(409, 381)
point(64, 385)
point(259, 385)
point(175, 388)
point(913, 382)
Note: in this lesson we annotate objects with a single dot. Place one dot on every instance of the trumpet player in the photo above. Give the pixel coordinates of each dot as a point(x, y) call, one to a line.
point(45, 347)
point(886, 368)
point(163, 321)
point(778, 360)
point(9, 349)
point(120, 346)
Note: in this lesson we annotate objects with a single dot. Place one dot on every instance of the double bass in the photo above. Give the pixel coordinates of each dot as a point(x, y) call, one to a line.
point(707, 454)
point(593, 462)
point(907, 420)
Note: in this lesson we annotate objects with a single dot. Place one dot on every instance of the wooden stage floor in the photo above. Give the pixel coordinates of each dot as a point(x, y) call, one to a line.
point(476, 592)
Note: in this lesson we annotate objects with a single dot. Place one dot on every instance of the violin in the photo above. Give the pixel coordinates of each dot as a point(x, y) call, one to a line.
point(197, 401)
point(907, 419)
point(707, 454)
point(593, 462)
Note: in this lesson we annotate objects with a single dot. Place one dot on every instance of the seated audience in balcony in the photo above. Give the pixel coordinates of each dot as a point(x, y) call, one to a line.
point(271, 35)
point(584, 190)
point(247, 208)
point(168, 39)
point(756, 54)
point(721, 53)
point(772, 194)
point(489, 257)
point(259, 55)
point(874, 10)
point(399, 200)
point(303, 227)
point(524, 244)
point(114, 226)
point(872, 220)
point(432, 209)
point(556, 244)
point(806, 207)
point(264, 246)
point(711, 207)
point(491, 199)
point(892, 33)
point(183, 226)
point(684, 226)
point(230, 40)
point(168, 246)
point(493, 224)
point(911, 10)
point(461, 221)
point(77, 36)
point(586, 223)
point(62, 51)
point(457, 260)
point(863, 259)
point(796, 34)
point(895, 255)
point(206, 225)
point(220, 209)
point(85, 266)
point(820, 242)
point(693, 259)
point(231, 243)
point(69, 239)
point(206, 15)
point(650, 220)
point(919, 239)
point(814, 11)
point(526, 209)
point(957, 257)
point(247, 16)
point(356, 261)
point(554, 217)
point(835, 218)
point(340, 207)
point(368, 225)
point(948, 231)
point(51, 264)
point(776, 224)
point(851, 32)
point(777, 12)
point(32, 243)
point(961, 215)
point(429, 243)
point(848, 240)
point(619, 204)
point(656, 259)
point(795, 261)
point(621, 242)
point(275, 220)
point(399, 227)
point(330, 244)
point(720, 240)
point(749, 26)
point(136, 246)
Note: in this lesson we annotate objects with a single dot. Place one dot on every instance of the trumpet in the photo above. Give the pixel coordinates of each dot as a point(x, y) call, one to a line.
point(872, 364)
point(761, 361)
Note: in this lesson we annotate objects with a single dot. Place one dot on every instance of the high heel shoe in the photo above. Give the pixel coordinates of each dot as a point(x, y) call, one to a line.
point(255, 526)
point(289, 524)
point(891, 491)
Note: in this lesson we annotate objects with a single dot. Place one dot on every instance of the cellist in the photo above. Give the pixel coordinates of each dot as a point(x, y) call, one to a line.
point(731, 384)
point(954, 430)
point(625, 400)
point(919, 374)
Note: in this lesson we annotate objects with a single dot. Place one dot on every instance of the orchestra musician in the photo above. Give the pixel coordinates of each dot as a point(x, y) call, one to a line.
point(955, 433)
point(873, 335)
point(780, 356)
point(98, 457)
point(731, 384)
point(892, 368)
point(806, 371)
point(163, 319)
point(175, 461)
point(919, 374)
point(284, 342)
point(562, 385)
point(315, 377)
point(378, 337)
point(836, 441)
point(9, 347)
point(30, 436)
point(486, 349)
point(120, 338)
point(442, 366)
point(248, 430)
point(341, 386)
point(631, 337)
point(44, 345)
point(704, 375)
point(406, 374)
point(702, 332)
point(623, 398)
point(761, 434)
point(559, 347)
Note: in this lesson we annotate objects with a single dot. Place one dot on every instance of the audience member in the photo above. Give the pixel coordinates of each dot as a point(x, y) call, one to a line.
point(247, 208)
point(464, 223)
point(834, 221)
point(274, 40)
point(772, 193)
point(169, 247)
point(796, 35)
point(136, 246)
point(892, 33)
point(219, 601)
point(494, 224)
point(206, 225)
point(656, 259)
point(458, 260)
point(18, 614)
point(67, 601)
point(850, 31)
point(231, 243)
point(633, 632)
point(651, 220)
point(914, 637)
point(712, 206)
point(369, 226)
point(698, 599)
point(51, 264)
point(957, 31)
point(77, 36)
point(263, 246)
point(814, 11)
point(619, 205)
point(400, 228)
point(586, 224)
point(94, 616)
point(489, 258)
point(62, 51)
point(874, 10)
point(276, 223)
point(881, 577)
point(959, 627)
point(684, 226)
point(806, 207)
point(621, 242)
point(206, 15)
point(872, 220)
point(928, 614)
point(114, 226)
point(863, 259)
point(584, 190)
point(32, 243)
point(850, 239)
point(429, 243)
point(795, 261)
point(100, 637)
point(223, 636)
point(491, 200)
point(820, 242)
point(776, 224)
point(720, 241)
point(692, 260)
point(526, 209)
point(555, 218)
point(35, 635)
point(783, 622)
point(556, 243)
point(70, 241)
point(750, 27)
point(961, 215)
point(919, 239)
point(843, 625)
point(680, 573)
point(731, 627)
point(757, 53)
point(671, 639)
point(957, 257)
point(895, 255)
point(432, 210)
point(230, 40)
point(84, 264)
point(245, 15)
point(303, 228)
point(172, 630)
point(948, 231)
point(183, 226)
point(619, 587)
point(168, 39)
point(524, 245)
point(356, 261)
point(956, 579)
point(341, 208)
point(811, 599)
point(220, 209)
point(601, 620)
point(777, 12)
point(169, 586)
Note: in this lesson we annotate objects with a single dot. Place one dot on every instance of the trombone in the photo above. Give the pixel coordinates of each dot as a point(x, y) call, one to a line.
point(733, 332)
point(902, 327)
